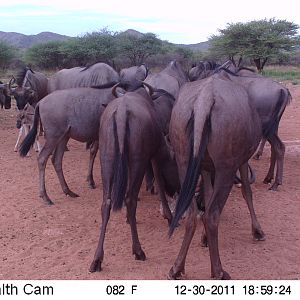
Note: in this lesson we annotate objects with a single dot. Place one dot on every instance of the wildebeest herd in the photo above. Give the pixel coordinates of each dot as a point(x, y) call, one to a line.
point(189, 132)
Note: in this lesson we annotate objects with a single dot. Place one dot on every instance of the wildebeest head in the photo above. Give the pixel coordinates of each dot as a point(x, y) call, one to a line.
point(22, 94)
point(5, 99)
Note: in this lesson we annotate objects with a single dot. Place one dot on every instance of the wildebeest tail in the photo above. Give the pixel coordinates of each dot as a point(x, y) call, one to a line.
point(194, 166)
point(120, 177)
point(272, 126)
point(31, 136)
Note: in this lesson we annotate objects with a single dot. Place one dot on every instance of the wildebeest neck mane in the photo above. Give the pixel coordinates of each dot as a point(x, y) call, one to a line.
point(21, 75)
point(89, 66)
point(104, 86)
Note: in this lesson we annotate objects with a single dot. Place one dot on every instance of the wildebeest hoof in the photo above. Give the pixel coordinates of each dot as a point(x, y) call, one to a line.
point(175, 274)
point(274, 187)
point(258, 235)
point(95, 266)
point(204, 242)
point(257, 156)
point(47, 200)
point(71, 194)
point(92, 185)
point(267, 180)
point(140, 256)
point(222, 276)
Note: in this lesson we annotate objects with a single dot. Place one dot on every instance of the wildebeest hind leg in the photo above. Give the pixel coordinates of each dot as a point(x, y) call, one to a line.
point(42, 162)
point(257, 232)
point(136, 176)
point(107, 168)
point(222, 186)
point(56, 159)
point(178, 269)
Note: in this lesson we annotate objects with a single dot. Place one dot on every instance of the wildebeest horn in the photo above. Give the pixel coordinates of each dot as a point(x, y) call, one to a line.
point(151, 90)
point(11, 82)
point(114, 90)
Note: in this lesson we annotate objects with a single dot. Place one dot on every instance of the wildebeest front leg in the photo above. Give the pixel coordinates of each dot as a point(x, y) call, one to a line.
point(260, 149)
point(18, 139)
point(178, 269)
point(161, 190)
point(136, 176)
point(222, 186)
point(93, 152)
point(257, 232)
point(57, 157)
point(149, 177)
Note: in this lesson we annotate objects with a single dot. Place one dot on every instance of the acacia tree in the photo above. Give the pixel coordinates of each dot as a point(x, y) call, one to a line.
point(259, 41)
point(139, 48)
point(7, 53)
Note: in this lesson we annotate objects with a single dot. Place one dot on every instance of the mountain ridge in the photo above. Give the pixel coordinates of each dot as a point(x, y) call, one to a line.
point(23, 41)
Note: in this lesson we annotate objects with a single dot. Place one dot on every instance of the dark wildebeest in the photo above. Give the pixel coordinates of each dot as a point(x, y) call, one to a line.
point(94, 75)
point(72, 113)
point(31, 87)
point(214, 130)
point(170, 79)
point(131, 136)
point(270, 98)
point(5, 99)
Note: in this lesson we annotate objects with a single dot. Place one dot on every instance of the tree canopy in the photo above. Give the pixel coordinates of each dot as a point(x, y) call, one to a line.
point(259, 41)
point(7, 54)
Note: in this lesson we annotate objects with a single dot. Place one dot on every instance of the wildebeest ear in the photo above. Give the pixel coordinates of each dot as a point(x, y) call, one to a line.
point(141, 72)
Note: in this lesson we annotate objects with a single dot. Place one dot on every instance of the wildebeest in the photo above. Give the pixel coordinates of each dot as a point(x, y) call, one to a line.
point(71, 113)
point(5, 99)
point(270, 98)
point(214, 130)
point(170, 79)
point(31, 87)
point(131, 136)
point(24, 123)
point(94, 75)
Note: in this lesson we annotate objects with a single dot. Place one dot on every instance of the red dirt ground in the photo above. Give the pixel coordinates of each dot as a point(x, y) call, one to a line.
point(58, 242)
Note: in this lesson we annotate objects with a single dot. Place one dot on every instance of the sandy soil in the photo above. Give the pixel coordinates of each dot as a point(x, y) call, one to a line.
point(58, 242)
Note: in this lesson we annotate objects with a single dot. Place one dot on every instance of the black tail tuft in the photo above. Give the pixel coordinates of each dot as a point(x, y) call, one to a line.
point(121, 172)
point(192, 175)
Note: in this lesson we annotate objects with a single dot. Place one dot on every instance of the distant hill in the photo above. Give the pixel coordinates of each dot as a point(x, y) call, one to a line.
point(23, 41)
point(203, 46)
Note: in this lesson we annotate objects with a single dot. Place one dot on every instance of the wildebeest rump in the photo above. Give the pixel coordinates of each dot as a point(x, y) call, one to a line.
point(131, 137)
point(214, 130)
point(72, 113)
point(270, 98)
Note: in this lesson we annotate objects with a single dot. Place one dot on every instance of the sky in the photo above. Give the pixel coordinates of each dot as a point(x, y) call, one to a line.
point(177, 21)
